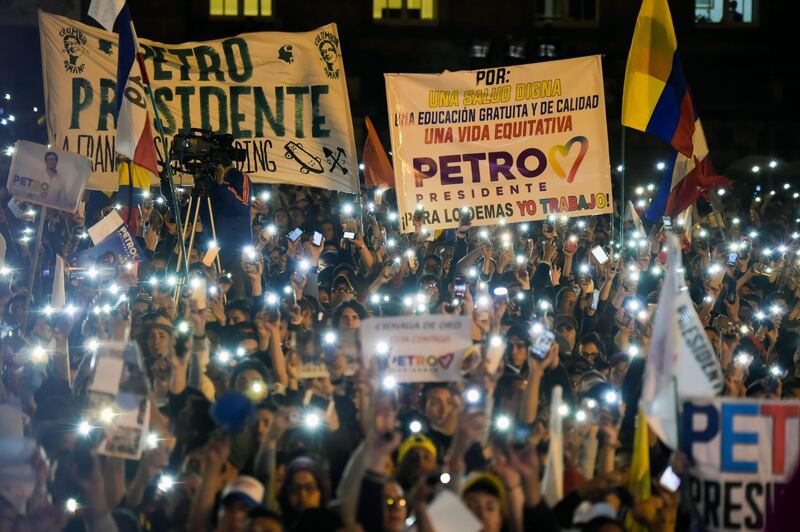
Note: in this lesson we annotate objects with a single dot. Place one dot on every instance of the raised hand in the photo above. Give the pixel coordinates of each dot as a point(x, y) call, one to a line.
point(555, 275)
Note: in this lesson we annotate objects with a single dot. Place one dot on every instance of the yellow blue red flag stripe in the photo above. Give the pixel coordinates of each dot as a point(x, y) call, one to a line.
point(655, 96)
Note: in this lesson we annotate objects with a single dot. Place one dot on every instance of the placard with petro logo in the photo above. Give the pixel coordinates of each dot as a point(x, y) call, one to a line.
point(515, 143)
point(417, 348)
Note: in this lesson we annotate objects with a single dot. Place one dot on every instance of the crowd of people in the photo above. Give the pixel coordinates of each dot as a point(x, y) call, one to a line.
point(264, 416)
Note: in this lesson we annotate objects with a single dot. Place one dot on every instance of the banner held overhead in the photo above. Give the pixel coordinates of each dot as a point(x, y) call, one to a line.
point(514, 143)
point(283, 96)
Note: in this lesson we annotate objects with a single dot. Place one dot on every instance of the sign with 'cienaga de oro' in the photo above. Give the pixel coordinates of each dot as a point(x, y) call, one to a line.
point(514, 143)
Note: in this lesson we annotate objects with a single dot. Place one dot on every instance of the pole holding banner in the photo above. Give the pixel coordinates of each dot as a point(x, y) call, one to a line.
point(34, 267)
point(621, 194)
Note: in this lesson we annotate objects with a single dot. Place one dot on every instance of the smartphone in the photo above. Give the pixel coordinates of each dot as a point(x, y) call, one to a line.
point(459, 287)
point(317, 402)
point(474, 399)
point(572, 243)
point(465, 220)
point(670, 480)
point(317, 238)
point(521, 437)
point(541, 343)
point(667, 222)
point(501, 294)
point(294, 235)
point(395, 264)
point(198, 291)
point(600, 254)
point(732, 256)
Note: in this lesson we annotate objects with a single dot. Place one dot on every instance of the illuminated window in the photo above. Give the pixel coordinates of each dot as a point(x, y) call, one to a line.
point(726, 12)
point(240, 8)
point(404, 10)
point(568, 12)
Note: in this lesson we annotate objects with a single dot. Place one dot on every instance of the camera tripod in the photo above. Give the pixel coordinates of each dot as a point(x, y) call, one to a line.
point(199, 193)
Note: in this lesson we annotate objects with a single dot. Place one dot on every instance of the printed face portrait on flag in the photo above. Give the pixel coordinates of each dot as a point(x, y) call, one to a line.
point(47, 177)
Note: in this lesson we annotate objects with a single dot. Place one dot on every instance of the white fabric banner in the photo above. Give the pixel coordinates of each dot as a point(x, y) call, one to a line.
point(282, 95)
point(553, 478)
point(518, 143)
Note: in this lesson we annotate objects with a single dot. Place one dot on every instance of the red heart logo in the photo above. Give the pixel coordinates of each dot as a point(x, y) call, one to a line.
point(563, 150)
point(446, 360)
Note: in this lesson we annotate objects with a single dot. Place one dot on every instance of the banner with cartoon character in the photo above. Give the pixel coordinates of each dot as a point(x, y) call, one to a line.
point(283, 96)
point(514, 143)
point(417, 348)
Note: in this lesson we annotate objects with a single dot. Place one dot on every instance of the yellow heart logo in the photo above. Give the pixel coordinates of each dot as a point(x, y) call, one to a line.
point(563, 151)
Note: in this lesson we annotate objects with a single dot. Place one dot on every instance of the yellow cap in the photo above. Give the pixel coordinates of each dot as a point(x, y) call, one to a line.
point(414, 441)
point(486, 477)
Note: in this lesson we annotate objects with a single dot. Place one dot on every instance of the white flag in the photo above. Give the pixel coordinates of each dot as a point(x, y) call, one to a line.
point(553, 480)
point(680, 354)
point(59, 298)
point(683, 224)
point(106, 11)
point(632, 216)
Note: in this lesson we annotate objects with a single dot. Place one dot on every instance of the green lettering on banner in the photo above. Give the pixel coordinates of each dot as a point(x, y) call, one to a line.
point(208, 62)
point(162, 95)
point(263, 110)
point(183, 56)
point(159, 72)
point(298, 109)
point(186, 110)
point(317, 119)
point(108, 104)
point(222, 109)
point(82, 96)
point(236, 116)
point(230, 58)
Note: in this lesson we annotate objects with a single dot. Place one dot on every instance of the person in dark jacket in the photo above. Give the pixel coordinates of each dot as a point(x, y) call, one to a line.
point(230, 200)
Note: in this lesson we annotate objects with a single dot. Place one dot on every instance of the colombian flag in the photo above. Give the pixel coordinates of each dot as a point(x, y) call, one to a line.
point(134, 137)
point(656, 100)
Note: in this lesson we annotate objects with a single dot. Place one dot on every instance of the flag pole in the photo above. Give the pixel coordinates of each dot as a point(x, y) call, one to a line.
point(622, 192)
point(163, 137)
point(34, 267)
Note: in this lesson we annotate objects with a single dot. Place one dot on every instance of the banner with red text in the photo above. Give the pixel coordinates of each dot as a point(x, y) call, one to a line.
point(515, 143)
point(743, 451)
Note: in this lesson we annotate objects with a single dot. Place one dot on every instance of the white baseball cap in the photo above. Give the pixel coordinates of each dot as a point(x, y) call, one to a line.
point(247, 488)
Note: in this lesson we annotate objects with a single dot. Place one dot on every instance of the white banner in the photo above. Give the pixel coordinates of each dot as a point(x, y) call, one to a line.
point(517, 142)
point(52, 178)
point(282, 95)
point(418, 348)
point(743, 451)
